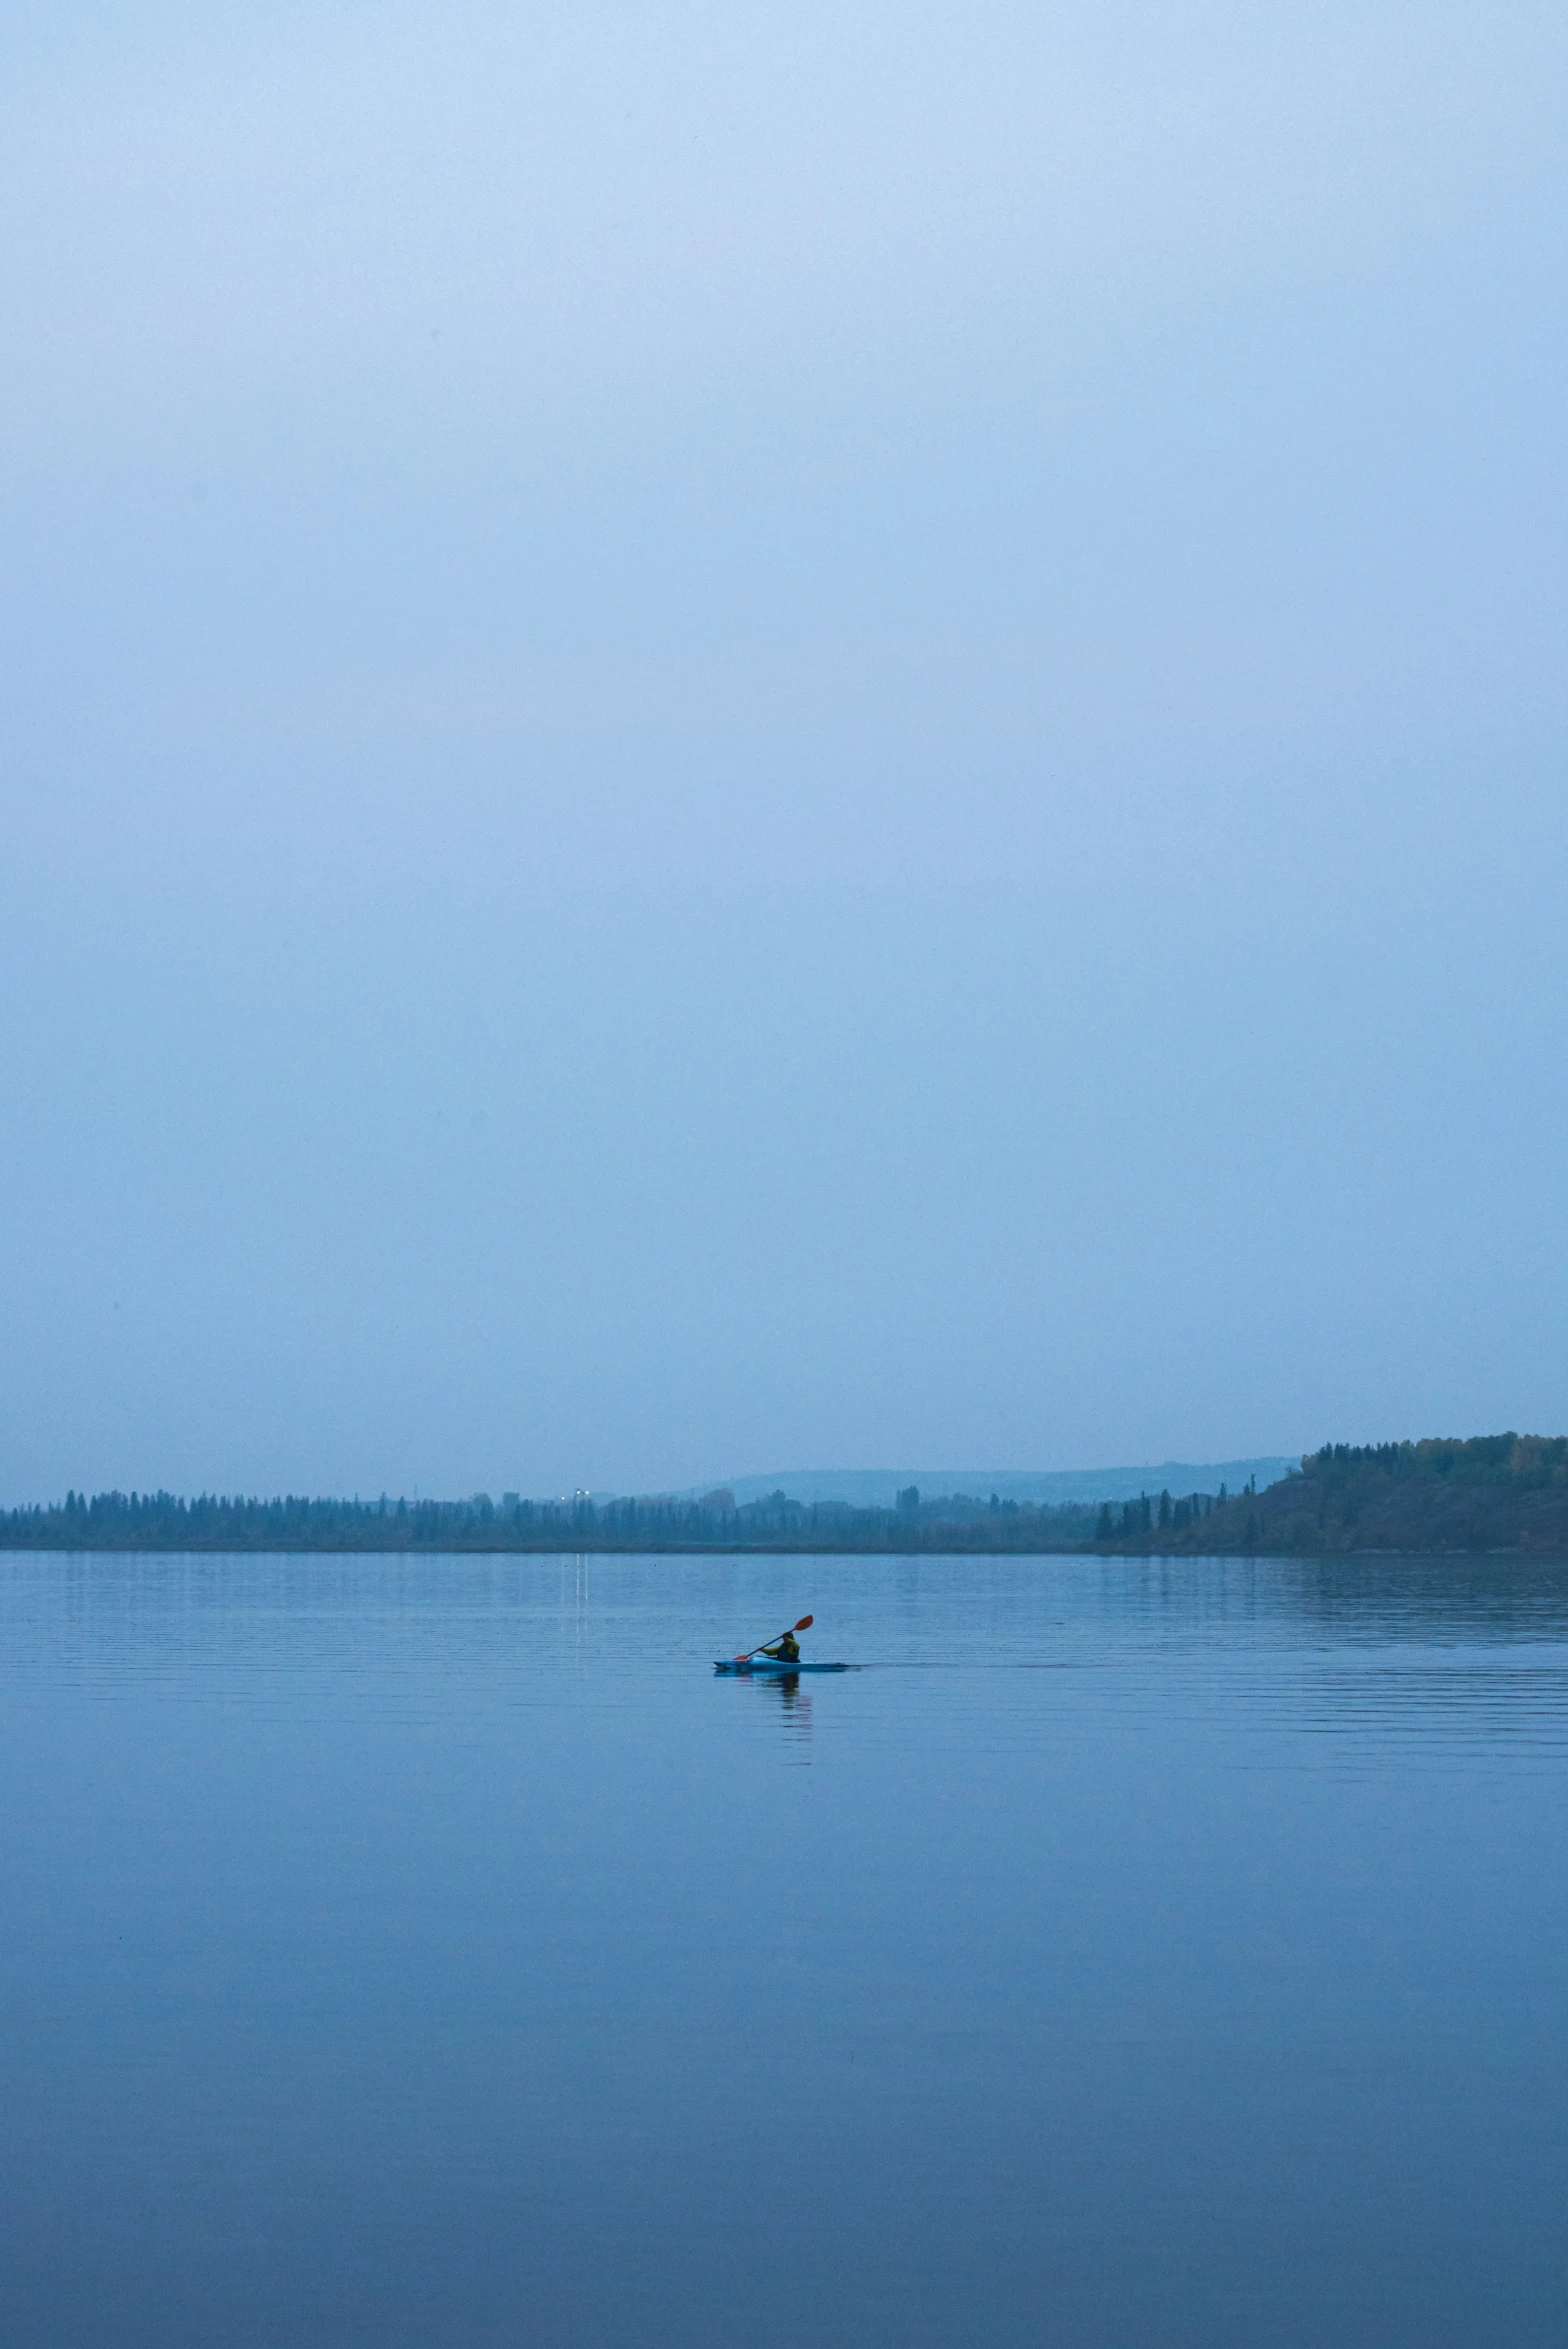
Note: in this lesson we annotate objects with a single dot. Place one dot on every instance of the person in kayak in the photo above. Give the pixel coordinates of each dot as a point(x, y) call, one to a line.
point(784, 1651)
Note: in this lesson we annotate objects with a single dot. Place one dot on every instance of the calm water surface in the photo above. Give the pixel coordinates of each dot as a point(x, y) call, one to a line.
point(436, 1953)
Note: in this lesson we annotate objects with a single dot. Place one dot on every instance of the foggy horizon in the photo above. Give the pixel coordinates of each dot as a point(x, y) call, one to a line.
point(831, 1483)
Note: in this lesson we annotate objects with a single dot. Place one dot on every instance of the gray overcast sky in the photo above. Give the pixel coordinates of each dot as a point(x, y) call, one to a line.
point(741, 736)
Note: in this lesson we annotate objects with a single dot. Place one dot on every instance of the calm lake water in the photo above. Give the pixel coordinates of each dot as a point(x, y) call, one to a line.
point(436, 1953)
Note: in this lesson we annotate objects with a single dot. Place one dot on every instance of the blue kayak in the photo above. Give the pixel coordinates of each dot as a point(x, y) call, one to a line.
point(768, 1664)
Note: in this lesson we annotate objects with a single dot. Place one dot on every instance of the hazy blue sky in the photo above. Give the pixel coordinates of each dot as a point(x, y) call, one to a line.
point(757, 735)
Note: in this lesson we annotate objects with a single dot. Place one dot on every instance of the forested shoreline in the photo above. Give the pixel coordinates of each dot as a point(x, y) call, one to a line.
point(164, 1521)
point(1503, 1492)
point(1506, 1492)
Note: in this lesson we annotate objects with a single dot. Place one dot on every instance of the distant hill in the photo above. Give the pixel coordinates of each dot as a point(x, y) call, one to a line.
point(1049, 1488)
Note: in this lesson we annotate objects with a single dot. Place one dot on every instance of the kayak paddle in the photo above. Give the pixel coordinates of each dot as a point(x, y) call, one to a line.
point(804, 1624)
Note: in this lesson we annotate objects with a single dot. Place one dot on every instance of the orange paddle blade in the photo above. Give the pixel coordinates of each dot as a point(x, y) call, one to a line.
point(805, 1623)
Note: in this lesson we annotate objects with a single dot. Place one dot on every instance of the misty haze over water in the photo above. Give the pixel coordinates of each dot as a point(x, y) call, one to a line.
point(783, 733)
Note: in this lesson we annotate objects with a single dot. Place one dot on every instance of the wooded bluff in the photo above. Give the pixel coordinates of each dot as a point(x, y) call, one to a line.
point(1506, 1492)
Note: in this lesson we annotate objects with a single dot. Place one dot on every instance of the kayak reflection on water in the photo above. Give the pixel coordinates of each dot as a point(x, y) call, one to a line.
point(794, 1713)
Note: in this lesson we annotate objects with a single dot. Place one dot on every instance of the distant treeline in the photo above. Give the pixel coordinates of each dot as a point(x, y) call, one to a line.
point(163, 1521)
point(1490, 1493)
